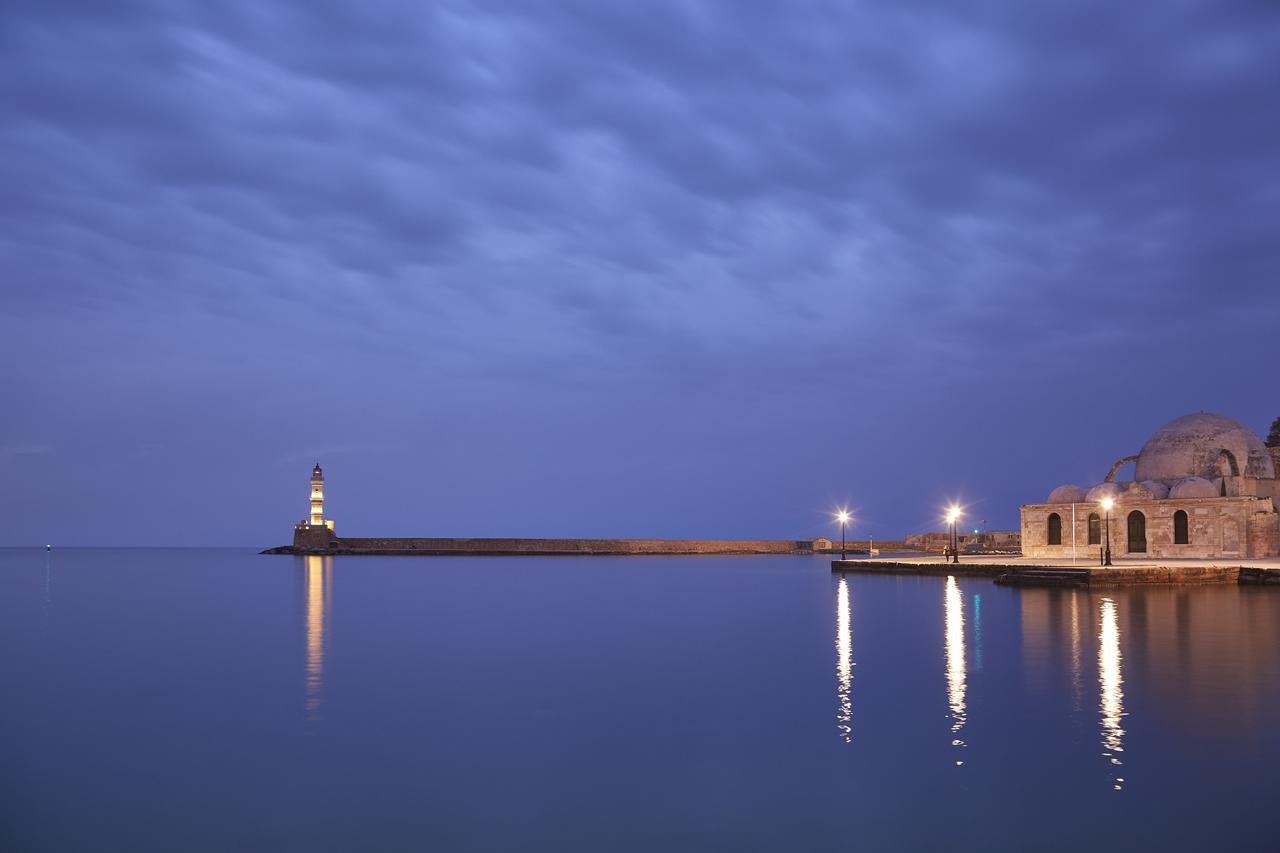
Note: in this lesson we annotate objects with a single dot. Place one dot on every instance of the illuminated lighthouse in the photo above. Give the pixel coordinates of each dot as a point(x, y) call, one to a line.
point(317, 499)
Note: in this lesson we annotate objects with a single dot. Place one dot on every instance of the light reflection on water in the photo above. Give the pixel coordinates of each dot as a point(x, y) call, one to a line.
point(977, 633)
point(1111, 684)
point(318, 585)
point(1077, 682)
point(844, 662)
point(953, 607)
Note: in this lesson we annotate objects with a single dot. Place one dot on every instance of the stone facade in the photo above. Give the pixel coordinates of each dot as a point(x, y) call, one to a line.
point(1234, 527)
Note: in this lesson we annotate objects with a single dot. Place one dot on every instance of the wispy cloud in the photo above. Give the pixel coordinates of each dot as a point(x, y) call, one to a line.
point(321, 453)
point(10, 452)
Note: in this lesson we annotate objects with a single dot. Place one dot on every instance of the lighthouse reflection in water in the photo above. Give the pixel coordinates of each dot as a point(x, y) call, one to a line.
point(317, 595)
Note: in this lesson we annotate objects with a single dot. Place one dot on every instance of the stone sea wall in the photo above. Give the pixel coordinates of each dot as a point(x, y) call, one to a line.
point(323, 541)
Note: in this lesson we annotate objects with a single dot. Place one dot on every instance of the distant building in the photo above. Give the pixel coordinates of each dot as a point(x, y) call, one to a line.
point(986, 541)
point(1204, 486)
point(316, 518)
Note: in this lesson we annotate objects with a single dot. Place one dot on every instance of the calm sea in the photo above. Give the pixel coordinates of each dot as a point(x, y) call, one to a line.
point(217, 700)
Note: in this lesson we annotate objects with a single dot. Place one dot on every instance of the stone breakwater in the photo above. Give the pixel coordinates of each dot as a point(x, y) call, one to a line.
point(315, 541)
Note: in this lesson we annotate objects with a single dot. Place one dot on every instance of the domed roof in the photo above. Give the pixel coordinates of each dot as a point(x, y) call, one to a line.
point(1193, 445)
point(1066, 495)
point(1194, 487)
point(1104, 490)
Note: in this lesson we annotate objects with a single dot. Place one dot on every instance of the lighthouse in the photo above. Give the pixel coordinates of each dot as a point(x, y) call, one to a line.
point(317, 499)
point(314, 532)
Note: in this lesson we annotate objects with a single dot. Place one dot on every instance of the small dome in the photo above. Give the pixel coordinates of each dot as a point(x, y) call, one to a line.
point(1158, 490)
point(1104, 490)
point(1067, 494)
point(1203, 445)
point(1137, 492)
point(1193, 487)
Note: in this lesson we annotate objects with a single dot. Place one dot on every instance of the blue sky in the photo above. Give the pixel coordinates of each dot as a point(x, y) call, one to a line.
point(590, 268)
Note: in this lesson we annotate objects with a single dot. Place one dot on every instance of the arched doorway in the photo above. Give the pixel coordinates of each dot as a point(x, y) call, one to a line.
point(1055, 529)
point(1137, 533)
point(1095, 529)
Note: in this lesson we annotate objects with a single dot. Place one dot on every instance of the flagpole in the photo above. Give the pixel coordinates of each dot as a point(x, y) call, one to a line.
point(1073, 534)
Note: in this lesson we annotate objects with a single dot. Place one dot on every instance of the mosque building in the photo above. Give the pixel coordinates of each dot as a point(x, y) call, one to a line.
point(1204, 486)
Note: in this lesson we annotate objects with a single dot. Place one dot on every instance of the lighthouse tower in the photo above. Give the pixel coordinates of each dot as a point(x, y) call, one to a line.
point(317, 499)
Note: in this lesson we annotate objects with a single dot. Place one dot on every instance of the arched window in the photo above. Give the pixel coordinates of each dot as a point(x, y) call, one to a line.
point(1181, 536)
point(1227, 465)
point(1095, 529)
point(1137, 533)
point(1055, 529)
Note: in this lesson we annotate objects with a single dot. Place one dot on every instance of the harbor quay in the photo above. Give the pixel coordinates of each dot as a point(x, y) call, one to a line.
point(1040, 571)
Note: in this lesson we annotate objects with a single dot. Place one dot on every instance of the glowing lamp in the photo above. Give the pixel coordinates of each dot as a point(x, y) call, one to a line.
point(953, 514)
point(843, 517)
point(1107, 504)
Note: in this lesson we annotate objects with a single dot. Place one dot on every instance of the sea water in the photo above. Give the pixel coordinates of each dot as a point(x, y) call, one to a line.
point(221, 700)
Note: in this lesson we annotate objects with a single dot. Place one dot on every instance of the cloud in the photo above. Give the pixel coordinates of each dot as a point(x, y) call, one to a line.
point(260, 208)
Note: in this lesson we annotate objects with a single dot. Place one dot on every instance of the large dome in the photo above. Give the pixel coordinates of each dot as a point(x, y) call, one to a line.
point(1193, 445)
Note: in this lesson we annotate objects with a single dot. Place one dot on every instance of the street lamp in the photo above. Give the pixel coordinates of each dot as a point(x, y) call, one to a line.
point(843, 517)
point(1107, 504)
point(953, 515)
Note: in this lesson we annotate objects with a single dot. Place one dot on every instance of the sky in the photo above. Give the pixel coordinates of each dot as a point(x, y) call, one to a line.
point(686, 269)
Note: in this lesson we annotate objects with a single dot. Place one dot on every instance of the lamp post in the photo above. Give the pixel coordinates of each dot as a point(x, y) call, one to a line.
point(1107, 504)
point(843, 517)
point(953, 514)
